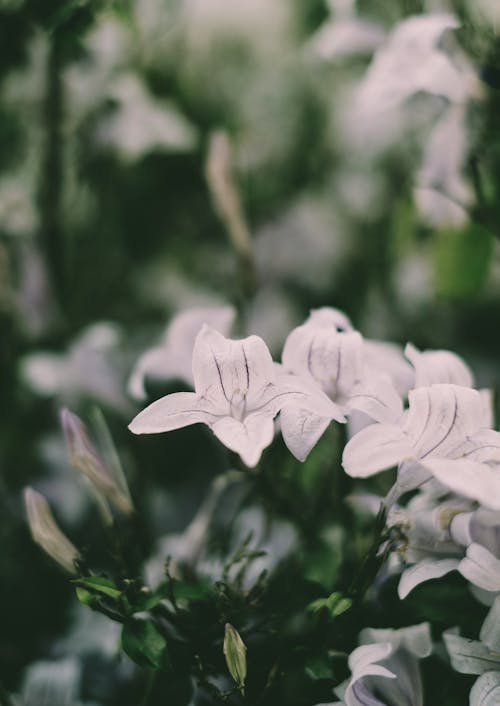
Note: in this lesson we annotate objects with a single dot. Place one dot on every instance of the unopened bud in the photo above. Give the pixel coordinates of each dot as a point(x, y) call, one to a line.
point(46, 533)
point(84, 456)
point(235, 653)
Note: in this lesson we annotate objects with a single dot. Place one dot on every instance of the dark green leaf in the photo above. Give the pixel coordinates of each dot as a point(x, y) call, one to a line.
point(99, 584)
point(145, 645)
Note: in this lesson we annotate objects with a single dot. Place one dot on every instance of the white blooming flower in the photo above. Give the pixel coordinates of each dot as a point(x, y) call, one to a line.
point(238, 392)
point(442, 434)
point(329, 352)
point(171, 359)
point(88, 369)
point(386, 667)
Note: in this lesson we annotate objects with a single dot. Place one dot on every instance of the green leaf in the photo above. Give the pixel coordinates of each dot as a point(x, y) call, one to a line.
point(462, 259)
point(319, 667)
point(145, 645)
point(193, 592)
point(317, 605)
point(337, 604)
point(99, 584)
point(85, 596)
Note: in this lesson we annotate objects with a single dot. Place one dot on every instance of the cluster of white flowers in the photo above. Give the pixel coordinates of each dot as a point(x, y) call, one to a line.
point(416, 411)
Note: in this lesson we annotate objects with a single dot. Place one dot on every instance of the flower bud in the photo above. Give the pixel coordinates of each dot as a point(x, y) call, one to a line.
point(84, 456)
point(235, 654)
point(46, 533)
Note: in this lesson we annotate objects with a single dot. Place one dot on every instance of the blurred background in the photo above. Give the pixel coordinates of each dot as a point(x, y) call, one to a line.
point(274, 155)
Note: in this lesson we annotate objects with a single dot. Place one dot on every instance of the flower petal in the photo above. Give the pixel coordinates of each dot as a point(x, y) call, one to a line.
point(230, 372)
point(362, 664)
point(424, 571)
point(248, 438)
point(432, 367)
point(486, 690)
point(377, 398)
point(490, 630)
point(331, 358)
point(153, 363)
point(374, 449)
point(416, 639)
point(440, 418)
point(301, 430)
point(482, 446)
point(469, 656)
point(173, 412)
point(362, 657)
point(469, 478)
point(481, 568)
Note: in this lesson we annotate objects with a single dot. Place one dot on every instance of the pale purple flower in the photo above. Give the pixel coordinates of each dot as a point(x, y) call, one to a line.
point(385, 669)
point(238, 392)
point(330, 354)
point(442, 434)
point(171, 358)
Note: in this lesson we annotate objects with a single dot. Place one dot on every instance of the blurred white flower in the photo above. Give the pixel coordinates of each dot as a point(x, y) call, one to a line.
point(305, 244)
point(141, 123)
point(57, 683)
point(441, 192)
point(411, 61)
point(171, 359)
point(344, 34)
point(90, 368)
point(238, 392)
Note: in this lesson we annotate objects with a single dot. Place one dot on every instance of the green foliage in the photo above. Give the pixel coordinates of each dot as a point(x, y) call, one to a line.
point(462, 261)
point(145, 645)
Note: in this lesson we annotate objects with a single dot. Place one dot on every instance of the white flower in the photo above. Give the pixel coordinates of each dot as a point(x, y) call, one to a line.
point(397, 680)
point(410, 61)
point(327, 351)
point(143, 123)
point(172, 357)
point(330, 352)
point(238, 392)
point(88, 369)
point(442, 434)
point(479, 657)
point(345, 34)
